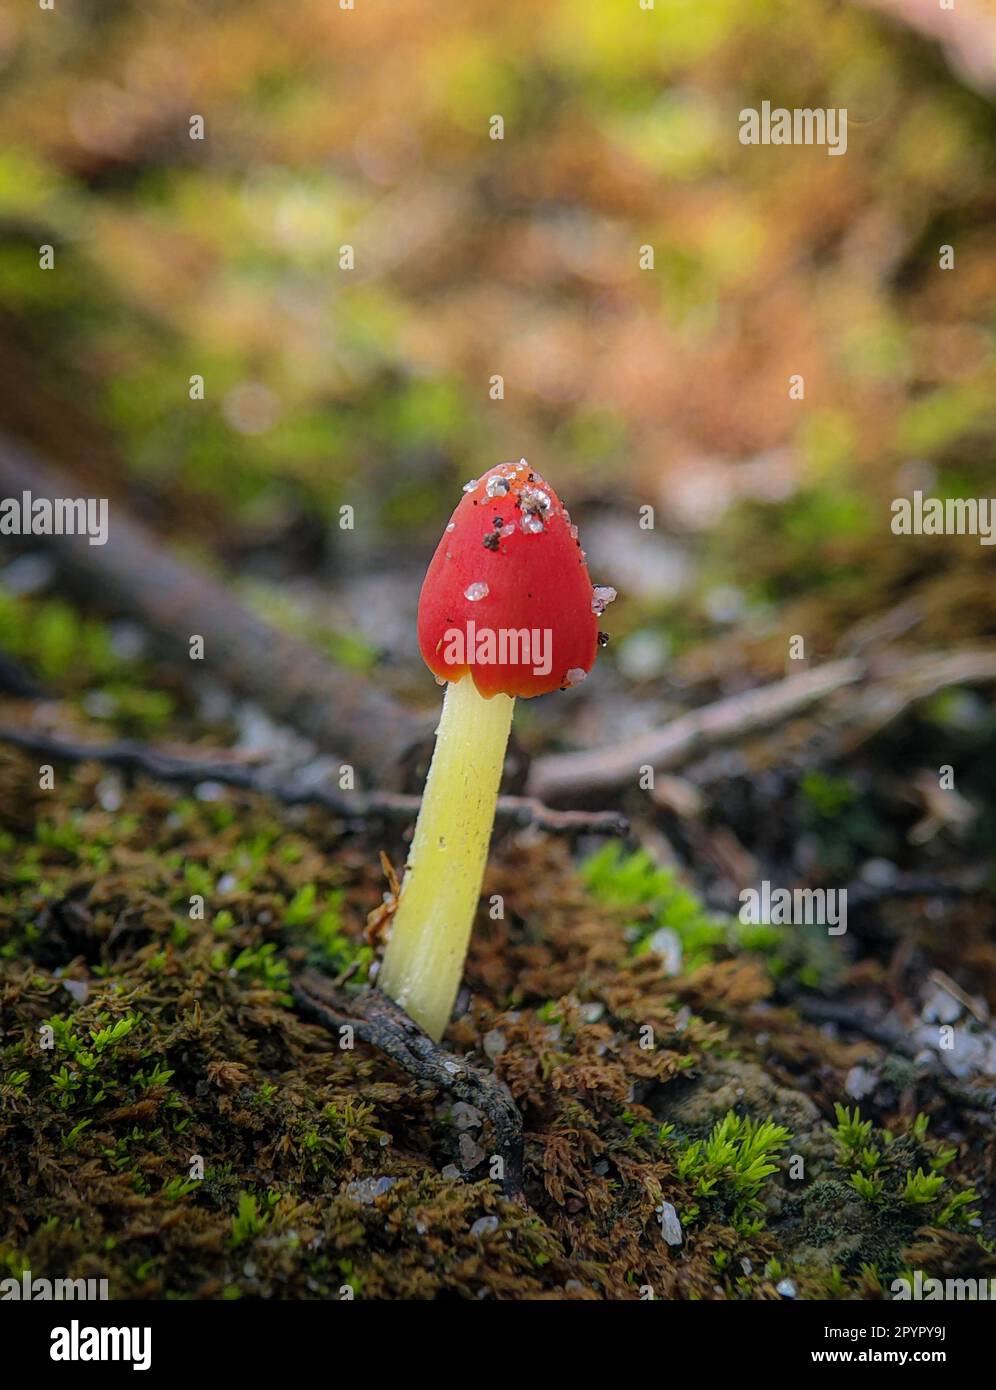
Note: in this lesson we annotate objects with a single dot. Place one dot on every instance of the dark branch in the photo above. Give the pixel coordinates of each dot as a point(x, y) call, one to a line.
point(355, 805)
point(861, 895)
point(857, 698)
point(377, 1020)
point(135, 573)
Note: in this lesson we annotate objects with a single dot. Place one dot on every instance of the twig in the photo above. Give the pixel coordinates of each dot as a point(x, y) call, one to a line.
point(355, 805)
point(862, 895)
point(887, 686)
point(848, 1015)
point(691, 733)
point(906, 681)
point(377, 1020)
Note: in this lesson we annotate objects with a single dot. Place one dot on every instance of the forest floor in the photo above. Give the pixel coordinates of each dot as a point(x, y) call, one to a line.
point(710, 1110)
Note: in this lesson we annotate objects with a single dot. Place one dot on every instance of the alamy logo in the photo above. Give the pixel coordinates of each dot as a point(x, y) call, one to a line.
point(75, 1343)
point(800, 126)
point(502, 646)
point(795, 907)
point(944, 516)
point(930, 1290)
point(27, 1288)
point(54, 516)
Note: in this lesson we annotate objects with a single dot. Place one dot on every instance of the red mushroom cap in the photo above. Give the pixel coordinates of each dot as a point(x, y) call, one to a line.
point(507, 595)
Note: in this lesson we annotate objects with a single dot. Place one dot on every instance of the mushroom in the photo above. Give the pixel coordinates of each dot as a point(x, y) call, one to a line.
point(507, 609)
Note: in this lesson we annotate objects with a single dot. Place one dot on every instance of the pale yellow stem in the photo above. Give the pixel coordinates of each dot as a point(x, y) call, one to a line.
point(442, 884)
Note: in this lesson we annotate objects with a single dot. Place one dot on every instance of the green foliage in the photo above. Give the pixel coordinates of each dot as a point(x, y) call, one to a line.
point(734, 1162)
point(70, 1137)
point(263, 964)
point(73, 653)
point(851, 1134)
point(51, 638)
point(66, 1084)
point(648, 897)
point(936, 420)
point(348, 1126)
point(871, 1188)
point(248, 1222)
point(107, 1037)
point(91, 1072)
point(156, 1075)
point(955, 1212)
point(301, 908)
point(176, 1188)
point(844, 821)
point(651, 897)
point(198, 878)
point(919, 1127)
point(828, 796)
point(892, 1170)
point(922, 1188)
point(323, 931)
point(279, 608)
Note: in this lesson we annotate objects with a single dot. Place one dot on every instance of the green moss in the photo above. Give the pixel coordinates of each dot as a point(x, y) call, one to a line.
point(733, 1163)
point(886, 1170)
point(647, 898)
point(75, 654)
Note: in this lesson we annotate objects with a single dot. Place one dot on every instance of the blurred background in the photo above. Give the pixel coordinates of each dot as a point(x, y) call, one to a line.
point(523, 258)
point(348, 261)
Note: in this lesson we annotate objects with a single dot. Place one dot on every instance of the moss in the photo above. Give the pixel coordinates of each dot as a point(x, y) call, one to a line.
point(831, 1226)
point(185, 1132)
point(733, 1163)
point(649, 898)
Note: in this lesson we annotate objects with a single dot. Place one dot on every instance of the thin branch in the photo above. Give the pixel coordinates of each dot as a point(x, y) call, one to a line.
point(355, 805)
point(379, 1021)
point(861, 895)
point(690, 734)
point(867, 695)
